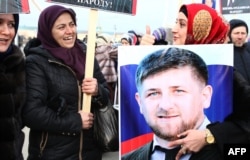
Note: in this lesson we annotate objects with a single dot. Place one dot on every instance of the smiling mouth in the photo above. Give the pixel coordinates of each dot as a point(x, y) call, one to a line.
point(4, 40)
point(68, 38)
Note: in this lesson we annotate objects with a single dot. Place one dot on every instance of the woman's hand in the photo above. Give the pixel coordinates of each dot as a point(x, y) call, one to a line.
point(147, 38)
point(90, 86)
point(193, 141)
point(87, 119)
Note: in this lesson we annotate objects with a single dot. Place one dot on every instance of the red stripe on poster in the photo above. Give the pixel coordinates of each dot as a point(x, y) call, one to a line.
point(135, 143)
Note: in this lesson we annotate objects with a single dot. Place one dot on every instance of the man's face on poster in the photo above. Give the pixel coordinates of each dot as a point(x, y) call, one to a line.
point(173, 100)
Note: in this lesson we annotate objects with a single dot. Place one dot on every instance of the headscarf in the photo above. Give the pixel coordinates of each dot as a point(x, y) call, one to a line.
point(135, 37)
point(128, 37)
point(163, 36)
point(73, 57)
point(16, 19)
point(205, 25)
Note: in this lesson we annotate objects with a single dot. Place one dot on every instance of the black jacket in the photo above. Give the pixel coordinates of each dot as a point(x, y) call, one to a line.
point(235, 129)
point(210, 152)
point(242, 60)
point(12, 97)
point(53, 101)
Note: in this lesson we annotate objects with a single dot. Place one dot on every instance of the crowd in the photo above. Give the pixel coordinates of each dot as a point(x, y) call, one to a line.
point(43, 88)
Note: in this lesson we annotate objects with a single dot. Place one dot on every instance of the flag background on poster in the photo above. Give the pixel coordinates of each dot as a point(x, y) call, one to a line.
point(134, 131)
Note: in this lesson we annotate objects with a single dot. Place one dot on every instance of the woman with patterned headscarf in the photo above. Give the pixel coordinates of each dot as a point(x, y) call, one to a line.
point(12, 89)
point(55, 66)
point(200, 24)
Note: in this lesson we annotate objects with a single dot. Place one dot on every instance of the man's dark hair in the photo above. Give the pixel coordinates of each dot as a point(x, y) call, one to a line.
point(165, 59)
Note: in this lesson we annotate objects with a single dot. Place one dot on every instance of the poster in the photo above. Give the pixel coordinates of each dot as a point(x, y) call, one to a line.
point(235, 6)
point(134, 131)
point(122, 6)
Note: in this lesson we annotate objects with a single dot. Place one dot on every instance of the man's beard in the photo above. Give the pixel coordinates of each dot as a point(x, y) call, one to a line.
point(171, 137)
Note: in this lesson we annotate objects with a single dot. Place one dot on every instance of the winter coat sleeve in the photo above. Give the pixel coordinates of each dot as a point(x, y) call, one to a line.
point(236, 127)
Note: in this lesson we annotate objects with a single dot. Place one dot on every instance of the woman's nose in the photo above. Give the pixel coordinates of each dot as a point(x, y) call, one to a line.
point(4, 29)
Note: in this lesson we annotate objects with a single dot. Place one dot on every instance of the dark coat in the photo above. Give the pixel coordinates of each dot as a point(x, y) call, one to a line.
point(209, 152)
point(235, 129)
point(242, 60)
point(53, 101)
point(12, 97)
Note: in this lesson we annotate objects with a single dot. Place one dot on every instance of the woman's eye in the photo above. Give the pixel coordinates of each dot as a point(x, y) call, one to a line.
point(61, 27)
point(72, 24)
point(11, 25)
point(182, 24)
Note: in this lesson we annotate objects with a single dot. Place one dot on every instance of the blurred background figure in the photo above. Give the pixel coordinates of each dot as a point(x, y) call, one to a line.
point(238, 34)
point(127, 39)
point(210, 3)
point(163, 36)
point(136, 37)
point(106, 56)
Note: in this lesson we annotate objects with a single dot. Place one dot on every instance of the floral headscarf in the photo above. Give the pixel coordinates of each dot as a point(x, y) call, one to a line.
point(205, 25)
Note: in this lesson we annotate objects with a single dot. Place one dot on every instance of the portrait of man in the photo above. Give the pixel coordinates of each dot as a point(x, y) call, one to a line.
point(172, 93)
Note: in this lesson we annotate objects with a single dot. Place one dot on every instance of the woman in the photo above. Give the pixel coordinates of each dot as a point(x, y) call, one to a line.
point(200, 24)
point(55, 66)
point(12, 89)
point(106, 56)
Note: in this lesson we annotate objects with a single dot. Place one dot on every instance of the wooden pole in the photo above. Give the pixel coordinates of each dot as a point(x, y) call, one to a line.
point(37, 6)
point(180, 3)
point(89, 66)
